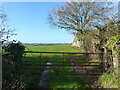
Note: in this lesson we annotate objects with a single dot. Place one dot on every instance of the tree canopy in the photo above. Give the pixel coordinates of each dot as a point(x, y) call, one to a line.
point(79, 16)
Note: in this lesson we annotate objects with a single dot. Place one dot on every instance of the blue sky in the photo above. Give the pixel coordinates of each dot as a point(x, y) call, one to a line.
point(30, 21)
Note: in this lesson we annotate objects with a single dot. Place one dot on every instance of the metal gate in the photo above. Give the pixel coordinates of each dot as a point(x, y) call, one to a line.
point(81, 63)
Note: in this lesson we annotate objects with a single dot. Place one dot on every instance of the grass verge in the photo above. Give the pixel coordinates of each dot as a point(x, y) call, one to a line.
point(109, 80)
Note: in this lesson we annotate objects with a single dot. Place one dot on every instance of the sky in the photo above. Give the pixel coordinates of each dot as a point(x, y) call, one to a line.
point(30, 19)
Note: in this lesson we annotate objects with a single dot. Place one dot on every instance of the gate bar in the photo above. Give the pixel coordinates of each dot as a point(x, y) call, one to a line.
point(61, 52)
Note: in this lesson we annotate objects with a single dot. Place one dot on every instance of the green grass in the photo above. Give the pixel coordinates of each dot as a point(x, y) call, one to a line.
point(109, 80)
point(66, 79)
point(55, 48)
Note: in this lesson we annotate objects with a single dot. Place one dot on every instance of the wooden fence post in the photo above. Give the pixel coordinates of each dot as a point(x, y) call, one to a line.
point(105, 59)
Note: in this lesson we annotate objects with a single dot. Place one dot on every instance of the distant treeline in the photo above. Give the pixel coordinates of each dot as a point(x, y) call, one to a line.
point(46, 44)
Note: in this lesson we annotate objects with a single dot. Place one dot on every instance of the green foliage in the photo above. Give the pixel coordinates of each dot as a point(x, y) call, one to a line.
point(112, 42)
point(11, 65)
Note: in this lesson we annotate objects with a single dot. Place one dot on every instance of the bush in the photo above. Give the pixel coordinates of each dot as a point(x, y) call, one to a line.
point(11, 65)
point(14, 49)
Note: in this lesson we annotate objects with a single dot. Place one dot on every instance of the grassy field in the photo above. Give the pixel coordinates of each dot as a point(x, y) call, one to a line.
point(54, 48)
point(57, 77)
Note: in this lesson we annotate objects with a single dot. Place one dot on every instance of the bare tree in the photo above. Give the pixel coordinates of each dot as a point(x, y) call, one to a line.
point(79, 16)
point(2, 20)
point(5, 31)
